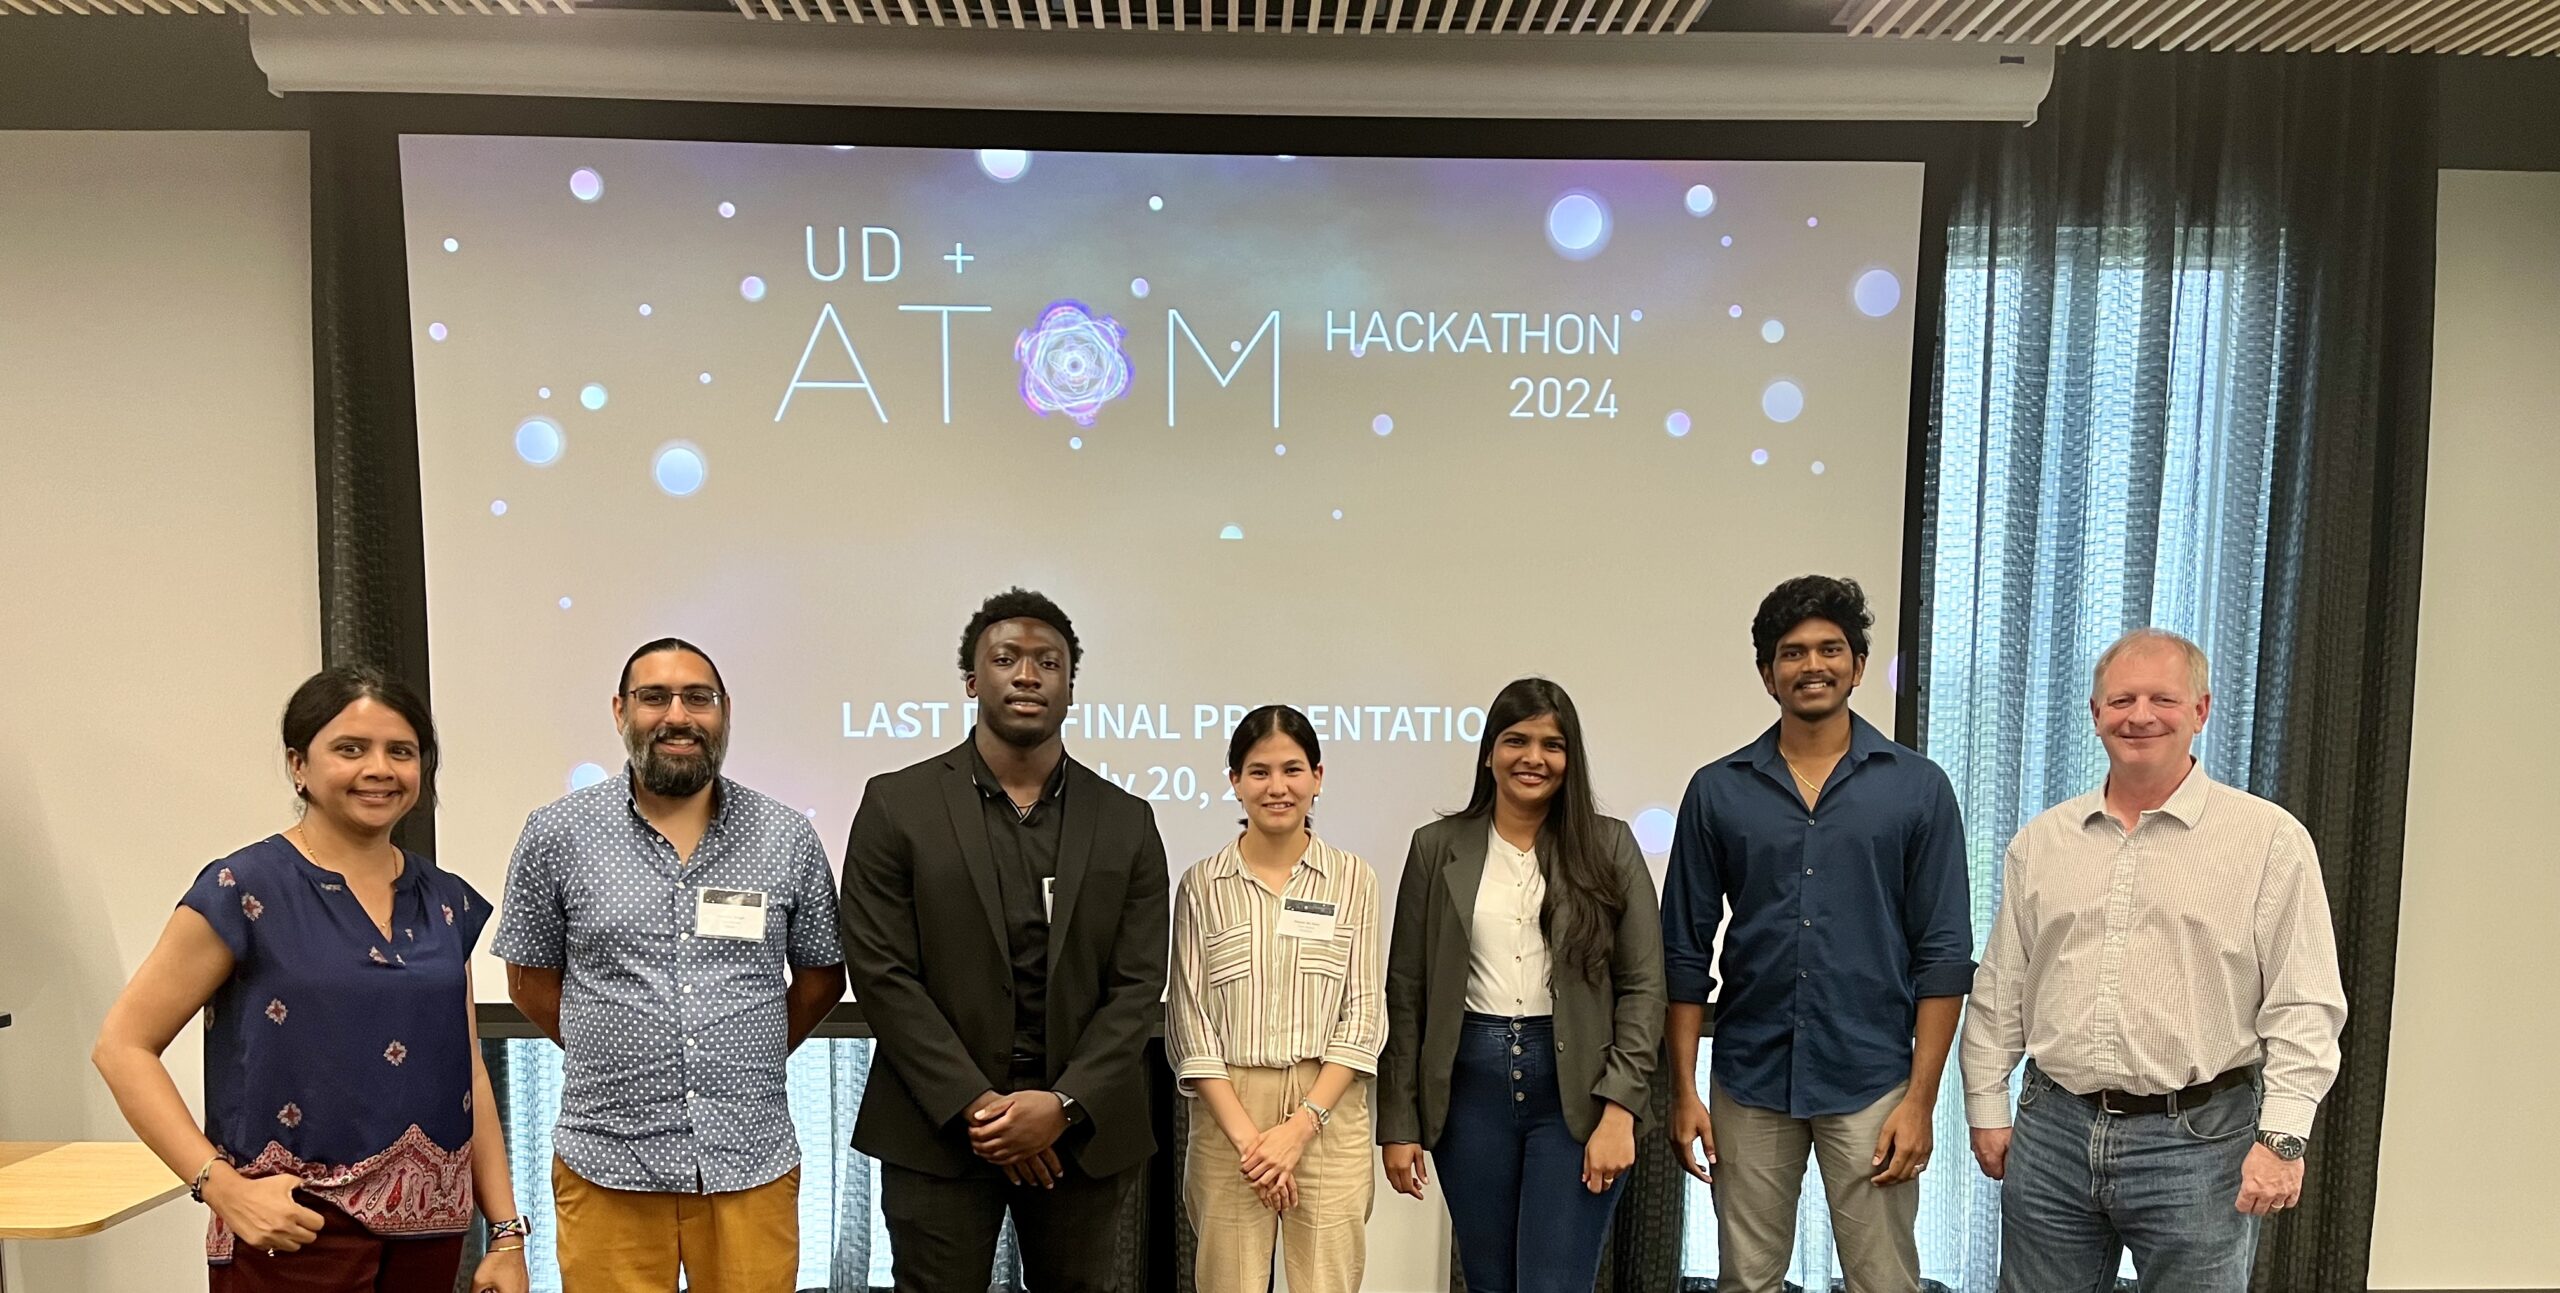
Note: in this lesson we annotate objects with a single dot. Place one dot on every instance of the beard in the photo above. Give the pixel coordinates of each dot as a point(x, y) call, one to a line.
point(675, 775)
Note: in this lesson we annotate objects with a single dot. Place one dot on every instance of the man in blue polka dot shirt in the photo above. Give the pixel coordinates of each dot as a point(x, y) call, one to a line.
point(675, 932)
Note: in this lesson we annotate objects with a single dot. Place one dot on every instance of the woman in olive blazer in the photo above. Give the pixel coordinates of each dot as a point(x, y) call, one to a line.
point(1524, 1005)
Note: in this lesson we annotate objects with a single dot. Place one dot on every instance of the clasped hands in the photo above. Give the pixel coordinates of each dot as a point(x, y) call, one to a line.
point(1270, 1157)
point(1019, 1133)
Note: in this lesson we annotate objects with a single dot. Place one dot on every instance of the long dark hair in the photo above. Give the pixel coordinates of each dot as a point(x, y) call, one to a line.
point(326, 694)
point(1584, 898)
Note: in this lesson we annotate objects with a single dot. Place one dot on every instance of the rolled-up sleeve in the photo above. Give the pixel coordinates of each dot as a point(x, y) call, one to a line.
point(1190, 1036)
point(1938, 913)
point(1360, 1029)
point(1692, 900)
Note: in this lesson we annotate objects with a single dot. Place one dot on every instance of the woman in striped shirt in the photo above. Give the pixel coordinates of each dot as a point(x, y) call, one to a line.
point(1277, 1015)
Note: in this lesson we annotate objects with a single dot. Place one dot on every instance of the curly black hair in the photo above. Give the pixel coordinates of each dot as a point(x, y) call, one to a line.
point(1810, 597)
point(1018, 604)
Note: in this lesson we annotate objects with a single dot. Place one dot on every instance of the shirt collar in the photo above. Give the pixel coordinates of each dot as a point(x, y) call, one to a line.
point(985, 778)
point(1229, 861)
point(1865, 742)
point(2186, 803)
point(720, 798)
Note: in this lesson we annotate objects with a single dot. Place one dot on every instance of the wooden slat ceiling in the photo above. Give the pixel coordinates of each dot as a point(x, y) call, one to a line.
point(2510, 27)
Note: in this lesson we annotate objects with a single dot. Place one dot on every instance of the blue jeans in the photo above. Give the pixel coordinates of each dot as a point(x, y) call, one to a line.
point(1512, 1169)
point(2082, 1186)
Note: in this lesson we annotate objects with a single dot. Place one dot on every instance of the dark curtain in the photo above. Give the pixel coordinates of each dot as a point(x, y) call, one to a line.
point(2184, 381)
point(373, 607)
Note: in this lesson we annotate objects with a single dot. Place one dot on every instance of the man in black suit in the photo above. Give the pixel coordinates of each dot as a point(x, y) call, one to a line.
point(1004, 916)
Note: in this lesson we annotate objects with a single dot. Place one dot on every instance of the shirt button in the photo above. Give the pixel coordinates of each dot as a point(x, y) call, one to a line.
point(684, 938)
point(1515, 1075)
point(1519, 1096)
point(1808, 921)
point(1808, 870)
point(690, 1096)
point(1515, 1050)
point(1804, 974)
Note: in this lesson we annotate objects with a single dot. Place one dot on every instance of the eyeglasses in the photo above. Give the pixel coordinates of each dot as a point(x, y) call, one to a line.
point(661, 697)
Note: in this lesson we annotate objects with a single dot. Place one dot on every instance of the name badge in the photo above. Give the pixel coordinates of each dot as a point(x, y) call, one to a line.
point(729, 913)
point(1306, 918)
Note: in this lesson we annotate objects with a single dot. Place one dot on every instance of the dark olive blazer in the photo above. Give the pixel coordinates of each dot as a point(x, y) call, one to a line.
point(1608, 1034)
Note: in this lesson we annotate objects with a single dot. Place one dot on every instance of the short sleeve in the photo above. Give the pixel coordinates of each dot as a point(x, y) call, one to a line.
point(534, 929)
point(227, 904)
point(813, 937)
point(471, 913)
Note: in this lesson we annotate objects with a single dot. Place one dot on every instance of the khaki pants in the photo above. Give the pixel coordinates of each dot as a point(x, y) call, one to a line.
point(624, 1241)
point(1324, 1241)
point(1759, 1175)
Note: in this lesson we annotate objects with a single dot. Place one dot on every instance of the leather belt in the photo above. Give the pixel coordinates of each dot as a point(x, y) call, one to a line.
point(2126, 1103)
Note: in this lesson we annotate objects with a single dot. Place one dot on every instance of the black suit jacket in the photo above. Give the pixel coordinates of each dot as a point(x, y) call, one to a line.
point(925, 947)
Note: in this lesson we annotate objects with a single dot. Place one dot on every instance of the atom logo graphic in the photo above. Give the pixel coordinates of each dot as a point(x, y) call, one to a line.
point(1072, 362)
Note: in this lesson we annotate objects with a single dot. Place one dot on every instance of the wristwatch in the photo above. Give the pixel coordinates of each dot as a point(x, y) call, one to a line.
point(1067, 1105)
point(2284, 1145)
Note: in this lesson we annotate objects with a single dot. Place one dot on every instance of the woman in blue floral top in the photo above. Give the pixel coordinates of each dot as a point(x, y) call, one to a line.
point(348, 1121)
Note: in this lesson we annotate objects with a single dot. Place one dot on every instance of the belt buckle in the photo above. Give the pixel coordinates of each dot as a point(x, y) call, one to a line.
point(2106, 1106)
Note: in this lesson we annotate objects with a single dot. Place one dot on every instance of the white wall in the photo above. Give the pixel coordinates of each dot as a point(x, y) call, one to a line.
point(157, 566)
point(2468, 1140)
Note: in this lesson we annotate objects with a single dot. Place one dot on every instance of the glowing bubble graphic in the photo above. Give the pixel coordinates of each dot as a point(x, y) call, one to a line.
point(1235, 347)
point(1075, 442)
point(565, 603)
point(679, 469)
point(1773, 332)
point(1636, 316)
point(1155, 202)
point(1783, 401)
point(592, 396)
point(436, 331)
point(452, 245)
point(1279, 451)
point(1072, 362)
point(1231, 532)
point(1818, 468)
point(539, 442)
point(728, 210)
point(706, 379)
point(1578, 225)
point(644, 309)
point(751, 287)
point(1337, 514)
point(1653, 831)
point(1003, 165)
point(1812, 222)
point(1700, 200)
point(1382, 424)
point(1734, 310)
point(585, 775)
point(1727, 240)
point(585, 185)
point(1876, 293)
point(544, 392)
point(1139, 289)
point(1677, 424)
point(497, 507)
point(1759, 457)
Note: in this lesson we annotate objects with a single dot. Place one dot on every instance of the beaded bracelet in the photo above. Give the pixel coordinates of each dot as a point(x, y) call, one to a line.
point(519, 1227)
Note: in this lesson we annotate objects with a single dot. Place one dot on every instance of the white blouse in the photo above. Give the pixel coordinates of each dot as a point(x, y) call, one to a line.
point(1507, 953)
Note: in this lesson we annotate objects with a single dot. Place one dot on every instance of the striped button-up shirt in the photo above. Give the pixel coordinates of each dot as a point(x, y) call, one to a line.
point(2153, 959)
point(1248, 993)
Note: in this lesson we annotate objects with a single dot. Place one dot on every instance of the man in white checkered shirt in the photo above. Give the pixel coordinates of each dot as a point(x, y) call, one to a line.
point(2163, 959)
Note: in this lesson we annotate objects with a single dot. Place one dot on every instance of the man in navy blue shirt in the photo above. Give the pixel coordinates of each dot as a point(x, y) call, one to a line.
point(1845, 966)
